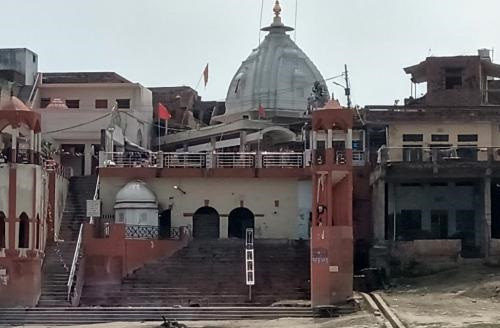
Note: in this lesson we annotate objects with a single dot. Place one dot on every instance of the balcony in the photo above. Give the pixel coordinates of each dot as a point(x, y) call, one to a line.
point(437, 155)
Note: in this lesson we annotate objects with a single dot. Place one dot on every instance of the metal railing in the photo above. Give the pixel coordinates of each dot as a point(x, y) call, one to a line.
point(74, 268)
point(221, 159)
point(147, 232)
point(282, 160)
point(133, 159)
point(437, 154)
point(78, 249)
point(358, 155)
point(234, 160)
point(184, 160)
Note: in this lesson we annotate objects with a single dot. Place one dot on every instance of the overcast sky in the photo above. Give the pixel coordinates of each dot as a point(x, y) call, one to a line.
point(168, 42)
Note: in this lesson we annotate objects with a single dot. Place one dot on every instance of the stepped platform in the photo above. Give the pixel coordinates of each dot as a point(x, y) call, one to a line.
point(94, 315)
point(211, 273)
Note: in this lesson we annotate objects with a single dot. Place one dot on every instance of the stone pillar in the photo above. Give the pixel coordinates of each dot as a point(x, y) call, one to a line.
point(13, 153)
point(213, 150)
point(485, 245)
point(243, 141)
point(378, 196)
point(32, 147)
point(329, 139)
point(87, 159)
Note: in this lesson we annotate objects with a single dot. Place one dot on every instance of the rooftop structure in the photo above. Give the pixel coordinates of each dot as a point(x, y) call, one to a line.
point(277, 75)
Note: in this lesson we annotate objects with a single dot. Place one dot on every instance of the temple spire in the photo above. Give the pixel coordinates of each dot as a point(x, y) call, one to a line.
point(277, 8)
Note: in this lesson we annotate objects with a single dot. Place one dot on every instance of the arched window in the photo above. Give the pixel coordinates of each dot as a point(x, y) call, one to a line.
point(24, 231)
point(2, 229)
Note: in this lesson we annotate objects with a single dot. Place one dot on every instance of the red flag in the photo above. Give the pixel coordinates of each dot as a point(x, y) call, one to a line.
point(262, 112)
point(163, 113)
point(205, 75)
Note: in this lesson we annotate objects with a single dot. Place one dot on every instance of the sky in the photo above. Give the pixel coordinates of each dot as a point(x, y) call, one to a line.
point(169, 42)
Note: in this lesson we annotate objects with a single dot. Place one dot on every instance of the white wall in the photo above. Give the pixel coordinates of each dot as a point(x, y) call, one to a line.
point(140, 103)
point(225, 194)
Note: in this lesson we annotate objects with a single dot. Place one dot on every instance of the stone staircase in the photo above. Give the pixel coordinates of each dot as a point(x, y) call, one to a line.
point(85, 316)
point(59, 256)
point(212, 273)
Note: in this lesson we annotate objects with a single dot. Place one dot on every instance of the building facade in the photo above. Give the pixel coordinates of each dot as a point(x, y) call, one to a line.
point(435, 178)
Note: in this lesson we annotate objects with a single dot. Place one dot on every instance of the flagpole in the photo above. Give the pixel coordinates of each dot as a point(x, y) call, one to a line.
point(159, 130)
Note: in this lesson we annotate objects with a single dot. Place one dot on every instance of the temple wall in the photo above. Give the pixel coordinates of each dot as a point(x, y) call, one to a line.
point(281, 206)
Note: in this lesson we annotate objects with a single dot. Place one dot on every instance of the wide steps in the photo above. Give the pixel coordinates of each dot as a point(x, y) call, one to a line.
point(82, 315)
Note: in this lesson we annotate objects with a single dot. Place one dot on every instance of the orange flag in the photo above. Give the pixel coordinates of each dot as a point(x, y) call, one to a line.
point(205, 75)
point(262, 112)
point(163, 113)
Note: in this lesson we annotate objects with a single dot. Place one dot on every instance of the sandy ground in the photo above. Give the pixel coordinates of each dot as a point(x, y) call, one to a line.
point(359, 320)
point(465, 297)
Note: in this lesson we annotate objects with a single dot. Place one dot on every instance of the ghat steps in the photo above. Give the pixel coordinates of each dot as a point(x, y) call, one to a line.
point(59, 256)
point(212, 273)
point(86, 315)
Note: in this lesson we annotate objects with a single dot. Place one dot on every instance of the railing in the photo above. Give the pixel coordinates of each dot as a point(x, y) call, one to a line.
point(74, 264)
point(282, 160)
point(358, 156)
point(220, 159)
point(146, 232)
point(52, 165)
point(22, 156)
point(184, 160)
point(234, 160)
point(133, 159)
point(35, 87)
point(437, 154)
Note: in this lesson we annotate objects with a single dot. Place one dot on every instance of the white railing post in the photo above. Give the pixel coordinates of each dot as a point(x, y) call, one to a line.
point(160, 159)
point(75, 261)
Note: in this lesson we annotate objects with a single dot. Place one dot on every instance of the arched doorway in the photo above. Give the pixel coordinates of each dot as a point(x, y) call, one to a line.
point(24, 231)
point(240, 219)
point(165, 224)
point(206, 223)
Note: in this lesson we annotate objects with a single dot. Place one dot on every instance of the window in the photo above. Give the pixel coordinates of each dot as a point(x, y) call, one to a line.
point(467, 137)
point(101, 103)
point(453, 78)
point(413, 137)
point(409, 225)
point(412, 153)
point(467, 153)
point(24, 231)
point(439, 224)
point(44, 102)
point(37, 232)
point(34, 58)
point(440, 137)
point(73, 103)
point(123, 103)
point(465, 226)
point(2, 230)
point(411, 184)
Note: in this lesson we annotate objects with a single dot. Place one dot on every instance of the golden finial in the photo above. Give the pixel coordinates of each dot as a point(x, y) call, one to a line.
point(277, 8)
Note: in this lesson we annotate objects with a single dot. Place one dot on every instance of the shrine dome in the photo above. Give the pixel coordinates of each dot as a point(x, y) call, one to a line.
point(277, 75)
point(14, 103)
point(135, 192)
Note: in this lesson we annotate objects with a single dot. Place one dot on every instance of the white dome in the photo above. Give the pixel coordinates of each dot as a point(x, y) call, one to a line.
point(135, 192)
point(278, 75)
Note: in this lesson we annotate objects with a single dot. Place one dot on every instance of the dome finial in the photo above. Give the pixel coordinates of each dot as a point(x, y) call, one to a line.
point(277, 8)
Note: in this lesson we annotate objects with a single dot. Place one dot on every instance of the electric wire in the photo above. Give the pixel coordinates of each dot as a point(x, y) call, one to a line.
point(78, 125)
